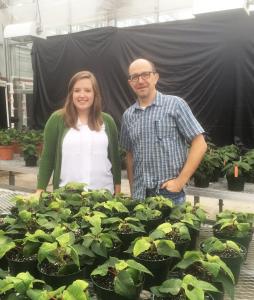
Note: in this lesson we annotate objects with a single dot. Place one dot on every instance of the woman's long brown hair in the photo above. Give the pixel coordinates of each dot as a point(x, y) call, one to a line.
point(69, 110)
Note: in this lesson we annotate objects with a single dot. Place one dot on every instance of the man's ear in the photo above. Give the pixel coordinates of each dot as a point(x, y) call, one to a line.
point(157, 76)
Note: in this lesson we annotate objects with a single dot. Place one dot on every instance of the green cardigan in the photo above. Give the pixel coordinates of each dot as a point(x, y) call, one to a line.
point(51, 158)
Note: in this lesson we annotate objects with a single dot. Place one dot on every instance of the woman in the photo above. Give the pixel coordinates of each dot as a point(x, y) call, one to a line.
point(80, 141)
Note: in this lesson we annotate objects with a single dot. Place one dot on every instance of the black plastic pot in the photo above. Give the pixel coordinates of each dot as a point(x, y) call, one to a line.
point(16, 296)
point(245, 241)
point(165, 211)
point(215, 175)
point(3, 263)
point(159, 269)
point(152, 224)
point(107, 294)
point(201, 181)
point(59, 280)
point(17, 266)
point(17, 235)
point(3, 226)
point(31, 161)
point(249, 178)
point(126, 239)
point(235, 183)
point(207, 297)
point(194, 234)
point(234, 263)
point(182, 246)
point(99, 260)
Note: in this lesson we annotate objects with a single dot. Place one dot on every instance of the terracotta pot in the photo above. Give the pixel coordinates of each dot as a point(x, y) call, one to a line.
point(39, 148)
point(17, 148)
point(6, 152)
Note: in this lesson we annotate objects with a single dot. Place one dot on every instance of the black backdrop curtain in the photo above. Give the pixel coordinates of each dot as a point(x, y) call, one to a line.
point(207, 61)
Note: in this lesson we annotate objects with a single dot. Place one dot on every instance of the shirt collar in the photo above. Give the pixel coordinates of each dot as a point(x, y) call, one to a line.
point(157, 101)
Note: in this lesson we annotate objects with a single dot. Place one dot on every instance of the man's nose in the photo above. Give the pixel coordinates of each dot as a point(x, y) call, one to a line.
point(140, 79)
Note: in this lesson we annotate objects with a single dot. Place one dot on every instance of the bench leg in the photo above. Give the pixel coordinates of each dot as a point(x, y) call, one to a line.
point(220, 205)
point(196, 199)
point(11, 178)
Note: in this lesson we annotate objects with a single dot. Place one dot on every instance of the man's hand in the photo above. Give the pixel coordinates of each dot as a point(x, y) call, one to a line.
point(117, 189)
point(173, 185)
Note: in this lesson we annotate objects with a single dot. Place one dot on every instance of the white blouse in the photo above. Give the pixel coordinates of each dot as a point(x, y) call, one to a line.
point(85, 158)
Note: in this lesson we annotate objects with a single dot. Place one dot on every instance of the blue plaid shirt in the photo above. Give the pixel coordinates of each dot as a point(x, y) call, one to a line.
point(157, 137)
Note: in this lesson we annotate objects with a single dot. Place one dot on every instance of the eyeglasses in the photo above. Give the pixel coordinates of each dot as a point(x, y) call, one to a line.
point(143, 75)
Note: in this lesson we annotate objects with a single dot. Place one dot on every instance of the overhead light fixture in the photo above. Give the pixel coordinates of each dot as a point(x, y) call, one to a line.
point(208, 6)
point(23, 32)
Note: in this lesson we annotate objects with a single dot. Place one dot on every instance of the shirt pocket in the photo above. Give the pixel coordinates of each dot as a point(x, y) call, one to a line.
point(165, 129)
point(135, 132)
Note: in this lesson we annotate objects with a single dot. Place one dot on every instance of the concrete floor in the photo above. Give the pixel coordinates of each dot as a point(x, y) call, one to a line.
point(210, 205)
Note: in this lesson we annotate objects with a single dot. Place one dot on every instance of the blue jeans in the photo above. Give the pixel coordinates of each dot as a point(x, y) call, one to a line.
point(177, 198)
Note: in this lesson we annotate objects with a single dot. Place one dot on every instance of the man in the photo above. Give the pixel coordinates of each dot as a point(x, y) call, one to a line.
point(155, 133)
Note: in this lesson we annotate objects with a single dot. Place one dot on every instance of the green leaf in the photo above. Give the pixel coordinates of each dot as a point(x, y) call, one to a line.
point(46, 250)
point(167, 248)
point(222, 265)
point(124, 285)
point(137, 266)
point(25, 215)
point(171, 286)
point(6, 245)
point(101, 270)
point(189, 258)
point(141, 246)
point(76, 291)
point(66, 239)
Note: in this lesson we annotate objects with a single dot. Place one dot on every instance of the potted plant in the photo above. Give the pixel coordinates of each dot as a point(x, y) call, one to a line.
point(16, 287)
point(59, 262)
point(78, 289)
point(127, 201)
point(118, 279)
point(21, 254)
point(160, 203)
point(127, 229)
point(249, 157)
point(231, 253)
point(112, 208)
point(187, 288)
point(234, 230)
point(208, 268)
point(25, 286)
point(205, 170)
point(6, 148)
point(151, 218)
point(192, 217)
point(177, 232)
point(97, 245)
point(30, 155)
point(235, 174)
point(96, 196)
point(158, 255)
